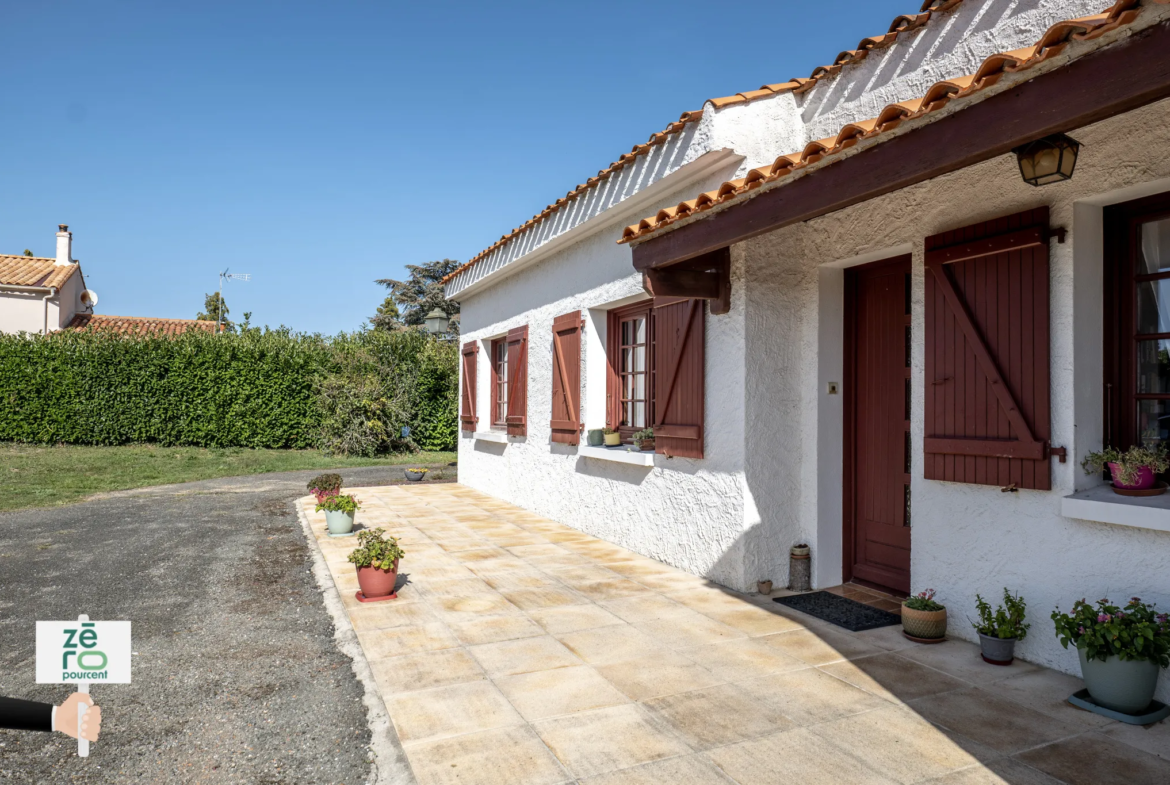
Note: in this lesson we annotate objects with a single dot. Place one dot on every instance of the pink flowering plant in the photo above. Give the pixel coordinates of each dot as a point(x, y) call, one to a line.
point(1135, 632)
point(339, 503)
point(923, 601)
point(325, 485)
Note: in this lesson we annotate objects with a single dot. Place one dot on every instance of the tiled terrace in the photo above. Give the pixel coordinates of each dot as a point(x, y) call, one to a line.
point(523, 652)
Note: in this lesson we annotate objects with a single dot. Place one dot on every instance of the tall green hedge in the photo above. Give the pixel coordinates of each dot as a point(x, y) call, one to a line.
point(268, 388)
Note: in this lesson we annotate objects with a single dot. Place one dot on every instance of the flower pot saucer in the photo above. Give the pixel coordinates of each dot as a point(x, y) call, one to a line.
point(923, 640)
point(347, 534)
point(1157, 490)
point(363, 598)
point(1156, 712)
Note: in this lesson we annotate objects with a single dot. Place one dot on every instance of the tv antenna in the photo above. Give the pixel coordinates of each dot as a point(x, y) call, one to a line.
point(226, 276)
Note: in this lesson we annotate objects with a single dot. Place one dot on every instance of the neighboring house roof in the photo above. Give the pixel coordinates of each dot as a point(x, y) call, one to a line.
point(138, 325)
point(1052, 43)
point(34, 271)
point(625, 160)
point(906, 23)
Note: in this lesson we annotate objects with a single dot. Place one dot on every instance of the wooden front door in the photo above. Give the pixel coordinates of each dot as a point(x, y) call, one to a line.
point(877, 424)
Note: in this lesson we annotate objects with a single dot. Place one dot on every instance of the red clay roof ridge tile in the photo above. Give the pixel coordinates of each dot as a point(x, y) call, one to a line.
point(937, 102)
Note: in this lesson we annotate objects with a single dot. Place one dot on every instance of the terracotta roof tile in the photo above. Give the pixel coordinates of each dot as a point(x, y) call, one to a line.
point(138, 325)
point(34, 271)
point(1054, 40)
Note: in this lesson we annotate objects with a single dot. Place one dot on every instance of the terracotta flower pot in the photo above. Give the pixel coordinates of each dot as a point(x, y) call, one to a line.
point(376, 582)
point(928, 625)
point(645, 445)
point(1143, 479)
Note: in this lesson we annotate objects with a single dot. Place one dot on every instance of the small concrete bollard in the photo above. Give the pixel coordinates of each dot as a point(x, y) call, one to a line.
point(799, 569)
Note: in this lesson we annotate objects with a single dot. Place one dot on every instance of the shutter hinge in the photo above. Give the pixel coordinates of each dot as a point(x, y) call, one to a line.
point(1009, 489)
point(1059, 233)
point(1059, 452)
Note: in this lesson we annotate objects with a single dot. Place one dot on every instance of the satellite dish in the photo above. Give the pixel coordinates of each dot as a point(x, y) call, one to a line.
point(89, 298)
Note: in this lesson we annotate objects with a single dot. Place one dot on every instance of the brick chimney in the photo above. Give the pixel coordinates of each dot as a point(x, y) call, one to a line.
point(64, 245)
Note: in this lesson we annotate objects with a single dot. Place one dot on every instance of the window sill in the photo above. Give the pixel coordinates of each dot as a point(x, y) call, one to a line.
point(617, 454)
point(1103, 505)
point(500, 437)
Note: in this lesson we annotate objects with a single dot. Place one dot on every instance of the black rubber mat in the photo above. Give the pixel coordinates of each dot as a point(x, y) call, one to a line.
point(852, 615)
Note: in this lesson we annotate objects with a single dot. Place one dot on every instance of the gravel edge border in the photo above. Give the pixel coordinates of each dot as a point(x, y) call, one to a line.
point(390, 766)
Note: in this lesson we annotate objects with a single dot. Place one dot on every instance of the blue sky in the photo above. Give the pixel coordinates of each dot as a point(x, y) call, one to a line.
point(319, 146)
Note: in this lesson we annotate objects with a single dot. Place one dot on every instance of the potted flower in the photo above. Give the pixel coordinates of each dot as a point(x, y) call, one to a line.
point(376, 559)
point(339, 511)
point(595, 437)
point(644, 439)
point(1136, 469)
point(612, 437)
point(1121, 650)
point(324, 485)
point(999, 630)
point(923, 619)
point(415, 475)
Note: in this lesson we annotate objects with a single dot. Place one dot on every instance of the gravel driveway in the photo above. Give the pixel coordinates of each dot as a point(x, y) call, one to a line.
point(236, 676)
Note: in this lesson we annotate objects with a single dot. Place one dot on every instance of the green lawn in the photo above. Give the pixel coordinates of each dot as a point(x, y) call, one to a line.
point(48, 476)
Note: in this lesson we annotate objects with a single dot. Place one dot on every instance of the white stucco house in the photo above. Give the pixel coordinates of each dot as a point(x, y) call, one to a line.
point(853, 324)
point(41, 295)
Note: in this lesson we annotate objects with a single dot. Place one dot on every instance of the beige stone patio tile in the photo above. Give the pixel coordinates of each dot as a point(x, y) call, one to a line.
point(754, 621)
point(639, 567)
point(506, 756)
point(683, 770)
point(645, 608)
point(551, 693)
point(808, 696)
point(605, 740)
point(492, 629)
point(1001, 771)
point(716, 716)
point(465, 608)
point(449, 711)
point(523, 656)
point(1047, 691)
point(687, 631)
point(537, 551)
point(389, 613)
point(899, 744)
point(611, 589)
point(651, 677)
point(425, 670)
point(529, 578)
point(893, 677)
point(571, 618)
point(613, 643)
point(795, 756)
point(478, 554)
point(552, 596)
point(677, 581)
point(820, 646)
point(962, 659)
point(455, 587)
point(567, 536)
point(888, 638)
point(410, 639)
point(742, 659)
point(1095, 759)
point(992, 720)
point(1154, 739)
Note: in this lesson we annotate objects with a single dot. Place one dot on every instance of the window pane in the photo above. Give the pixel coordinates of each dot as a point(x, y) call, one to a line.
point(1153, 367)
point(639, 359)
point(639, 387)
point(1154, 422)
point(640, 330)
point(1155, 254)
point(638, 420)
point(1153, 306)
point(628, 386)
point(627, 360)
point(627, 334)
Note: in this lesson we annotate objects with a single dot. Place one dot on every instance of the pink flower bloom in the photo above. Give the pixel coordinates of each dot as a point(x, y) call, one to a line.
point(1081, 630)
point(1103, 617)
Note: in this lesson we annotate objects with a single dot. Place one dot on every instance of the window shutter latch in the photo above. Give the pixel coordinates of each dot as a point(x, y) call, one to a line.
point(1058, 452)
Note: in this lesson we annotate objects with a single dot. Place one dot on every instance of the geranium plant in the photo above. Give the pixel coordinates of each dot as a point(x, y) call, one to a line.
point(325, 485)
point(1128, 463)
point(923, 601)
point(339, 503)
point(376, 550)
point(1135, 632)
point(1006, 621)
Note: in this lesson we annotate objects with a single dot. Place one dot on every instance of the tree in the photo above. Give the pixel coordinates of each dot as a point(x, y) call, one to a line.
point(386, 319)
point(422, 292)
point(212, 313)
point(27, 252)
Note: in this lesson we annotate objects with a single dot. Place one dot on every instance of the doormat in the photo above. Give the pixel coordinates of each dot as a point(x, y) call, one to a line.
point(852, 615)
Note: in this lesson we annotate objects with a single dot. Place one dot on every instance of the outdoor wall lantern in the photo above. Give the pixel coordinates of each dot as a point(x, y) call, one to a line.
point(436, 322)
point(1048, 160)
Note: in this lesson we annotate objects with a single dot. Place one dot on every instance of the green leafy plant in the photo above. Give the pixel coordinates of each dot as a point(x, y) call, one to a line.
point(1006, 621)
point(325, 485)
point(609, 431)
point(646, 434)
point(923, 601)
point(1135, 632)
point(376, 550)
point(1129, 462)
point(339, 503)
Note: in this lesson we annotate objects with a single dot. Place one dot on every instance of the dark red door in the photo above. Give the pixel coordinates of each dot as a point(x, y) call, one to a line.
point(877, 450)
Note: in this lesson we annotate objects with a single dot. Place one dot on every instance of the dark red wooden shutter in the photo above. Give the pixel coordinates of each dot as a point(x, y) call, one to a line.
point(613, 395)
point(467, 416)
point(517, 419)
point(678, 376)
point(566, 379)
point(987, 379)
